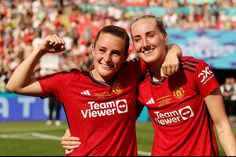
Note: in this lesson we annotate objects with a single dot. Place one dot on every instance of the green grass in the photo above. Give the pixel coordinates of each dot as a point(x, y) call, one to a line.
point(35, 146)
point(30, 147)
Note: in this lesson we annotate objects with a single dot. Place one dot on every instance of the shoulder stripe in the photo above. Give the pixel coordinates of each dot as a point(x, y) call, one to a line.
point(192, 61)
point(190, 65)
point(190, 70)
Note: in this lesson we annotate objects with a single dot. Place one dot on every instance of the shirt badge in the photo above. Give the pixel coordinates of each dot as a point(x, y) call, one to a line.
point(179, 92)
point(117, 88)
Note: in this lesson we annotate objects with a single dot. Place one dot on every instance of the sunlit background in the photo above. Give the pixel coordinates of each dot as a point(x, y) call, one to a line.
point(205, 29)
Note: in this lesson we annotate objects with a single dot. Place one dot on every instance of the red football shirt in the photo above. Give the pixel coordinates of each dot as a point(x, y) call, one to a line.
point(179, 114)
point(102, 115)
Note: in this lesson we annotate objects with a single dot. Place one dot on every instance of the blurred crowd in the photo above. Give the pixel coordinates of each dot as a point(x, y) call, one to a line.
point(24, 23)
point(228, 89)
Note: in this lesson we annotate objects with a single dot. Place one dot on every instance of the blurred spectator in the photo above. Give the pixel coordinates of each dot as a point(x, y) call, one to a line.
point(54, 105)
point(23, 24)
point(170, 18)
point(228, 90)
point(232, 117)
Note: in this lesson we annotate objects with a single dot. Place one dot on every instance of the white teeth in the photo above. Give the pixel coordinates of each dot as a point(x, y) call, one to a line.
point(106, 66)
point(147, 52)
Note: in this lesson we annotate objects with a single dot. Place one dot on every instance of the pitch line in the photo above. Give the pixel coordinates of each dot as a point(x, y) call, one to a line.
point(29, 136)
point(45, 136)
point(140, 152)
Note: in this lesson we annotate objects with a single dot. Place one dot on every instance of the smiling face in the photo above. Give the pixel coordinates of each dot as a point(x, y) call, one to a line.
point(148, 40)
point(109, 53)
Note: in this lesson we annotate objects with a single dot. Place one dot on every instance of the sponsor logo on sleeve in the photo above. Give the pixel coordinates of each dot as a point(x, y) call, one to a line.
point(205, 75)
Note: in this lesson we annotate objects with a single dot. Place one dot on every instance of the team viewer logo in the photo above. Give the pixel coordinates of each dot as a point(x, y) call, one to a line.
point(105, 108)
point(122, 106)
point(186, 112)
point(175, 116)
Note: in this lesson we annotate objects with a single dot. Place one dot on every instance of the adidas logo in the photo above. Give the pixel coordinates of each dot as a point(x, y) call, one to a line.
point(86, 92)
point(150, 101)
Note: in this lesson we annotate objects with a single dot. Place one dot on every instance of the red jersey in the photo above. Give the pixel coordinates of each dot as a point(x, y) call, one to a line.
point(102, 115)
point(180, 117)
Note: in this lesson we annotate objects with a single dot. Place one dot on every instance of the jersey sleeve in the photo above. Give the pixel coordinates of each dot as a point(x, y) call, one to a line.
point(55, 84)
point(49, 85)
point(205, 78)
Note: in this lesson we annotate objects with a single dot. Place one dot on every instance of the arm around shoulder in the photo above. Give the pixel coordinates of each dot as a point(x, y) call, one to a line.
point(171, 63)
point(175, 49)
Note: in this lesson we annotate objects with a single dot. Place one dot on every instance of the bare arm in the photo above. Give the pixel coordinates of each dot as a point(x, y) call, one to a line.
point(20, 82)
point(223, 127)
point(171, 62)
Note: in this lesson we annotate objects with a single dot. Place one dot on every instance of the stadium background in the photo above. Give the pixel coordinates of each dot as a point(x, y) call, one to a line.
point(205, 29)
